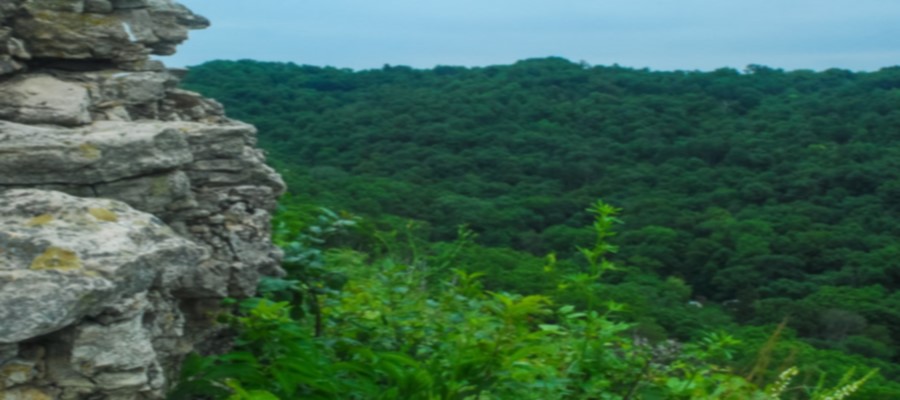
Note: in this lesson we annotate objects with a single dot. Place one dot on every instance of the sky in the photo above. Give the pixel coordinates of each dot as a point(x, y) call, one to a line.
point(860, 35)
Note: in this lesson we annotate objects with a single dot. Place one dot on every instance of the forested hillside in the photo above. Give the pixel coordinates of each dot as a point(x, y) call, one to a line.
point(757, 195)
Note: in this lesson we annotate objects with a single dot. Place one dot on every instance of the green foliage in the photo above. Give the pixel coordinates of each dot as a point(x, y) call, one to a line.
point(396, 331)
point(757, 188)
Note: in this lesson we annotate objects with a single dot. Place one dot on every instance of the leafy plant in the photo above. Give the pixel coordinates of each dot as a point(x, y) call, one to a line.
point(384, 334)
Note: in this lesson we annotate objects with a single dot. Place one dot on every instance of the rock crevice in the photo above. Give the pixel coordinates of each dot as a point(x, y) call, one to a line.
point(128, 207)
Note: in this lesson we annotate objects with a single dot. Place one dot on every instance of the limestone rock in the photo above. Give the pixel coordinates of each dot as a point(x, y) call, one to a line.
point(159, 194)
point(98, 6)
point(16, 373)
point(43, 99)
point(8, 352)
point(128, 207)
point(64, 258)
point(103, 152)
point(24, 393)
point(16, 48)
point(9, 65)
point(74, 6)
point(8, 8)
point(126, 87)
point(122, 346)
point(131, 30)
point(11, 45)
point(183, 105)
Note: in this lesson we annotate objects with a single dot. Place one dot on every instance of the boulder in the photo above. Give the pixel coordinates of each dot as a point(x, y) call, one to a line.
point(63, 258)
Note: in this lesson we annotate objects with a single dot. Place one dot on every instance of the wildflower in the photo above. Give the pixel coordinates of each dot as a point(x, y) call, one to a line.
point(781, 384)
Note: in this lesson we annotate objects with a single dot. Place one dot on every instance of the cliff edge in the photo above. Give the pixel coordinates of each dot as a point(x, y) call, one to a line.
point(128, 207)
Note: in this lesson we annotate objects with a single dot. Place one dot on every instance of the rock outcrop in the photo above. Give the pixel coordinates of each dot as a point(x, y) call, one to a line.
point(128, 207)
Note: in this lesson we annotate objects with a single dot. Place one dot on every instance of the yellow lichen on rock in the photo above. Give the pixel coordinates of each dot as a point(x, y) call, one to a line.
point(14, 372)
point(89, 151)
point(160, 186)
point(42, 219)
point(104, 214)
point(58, 259)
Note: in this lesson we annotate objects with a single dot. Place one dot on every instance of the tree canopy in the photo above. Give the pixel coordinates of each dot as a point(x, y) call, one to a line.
point(765, 193)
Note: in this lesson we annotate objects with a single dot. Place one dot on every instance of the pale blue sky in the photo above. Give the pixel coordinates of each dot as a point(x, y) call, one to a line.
point(659, 34)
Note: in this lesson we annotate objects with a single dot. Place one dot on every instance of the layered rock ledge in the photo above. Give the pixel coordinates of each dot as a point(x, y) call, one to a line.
point(128, 207)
